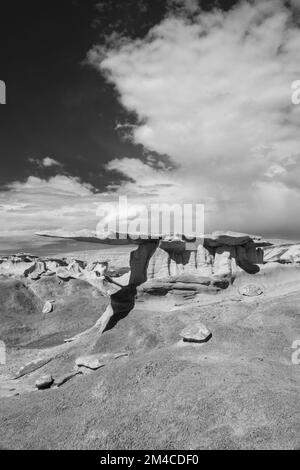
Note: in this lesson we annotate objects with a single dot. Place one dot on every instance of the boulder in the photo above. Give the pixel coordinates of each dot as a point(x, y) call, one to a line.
point(48, 307)
point(196, 333)
point(44, 382)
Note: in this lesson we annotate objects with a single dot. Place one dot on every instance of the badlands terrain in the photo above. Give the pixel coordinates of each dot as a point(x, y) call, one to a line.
point(197, 354)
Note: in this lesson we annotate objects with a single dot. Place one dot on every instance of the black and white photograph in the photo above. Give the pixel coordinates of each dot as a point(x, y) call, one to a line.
point(149, 228)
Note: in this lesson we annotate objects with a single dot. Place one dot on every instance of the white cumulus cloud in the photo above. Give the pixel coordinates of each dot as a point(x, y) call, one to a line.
point(62, 202)
point(214, 94)
point(46, 162)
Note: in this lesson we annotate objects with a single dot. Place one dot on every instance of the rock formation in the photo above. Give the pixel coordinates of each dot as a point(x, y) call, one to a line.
point(219, 257)
point(205, 264)
point(34, 268)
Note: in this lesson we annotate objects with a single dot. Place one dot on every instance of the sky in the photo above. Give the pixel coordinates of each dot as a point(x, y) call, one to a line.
point(163, 101)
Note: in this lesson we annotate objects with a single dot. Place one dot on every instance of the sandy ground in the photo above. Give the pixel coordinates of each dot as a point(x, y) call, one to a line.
point(240, 390)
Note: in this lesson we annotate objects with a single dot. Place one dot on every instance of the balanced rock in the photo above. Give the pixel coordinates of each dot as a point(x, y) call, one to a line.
point(44, 382)
point(220, 254)
point(196, 333)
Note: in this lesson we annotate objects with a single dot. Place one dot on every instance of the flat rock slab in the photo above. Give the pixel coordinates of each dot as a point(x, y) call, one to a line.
point(90, 362)
point(44, 382)
point(196, 333)
point(31, 367)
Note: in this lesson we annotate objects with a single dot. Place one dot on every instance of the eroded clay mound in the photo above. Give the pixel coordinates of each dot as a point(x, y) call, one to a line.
point(76, 306)
point(238, 390)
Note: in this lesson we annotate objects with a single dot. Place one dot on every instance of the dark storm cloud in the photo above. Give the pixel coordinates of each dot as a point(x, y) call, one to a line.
point(57, 105)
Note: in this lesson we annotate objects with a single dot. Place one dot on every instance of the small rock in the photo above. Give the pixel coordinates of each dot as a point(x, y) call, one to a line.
point(44, 382)
point(91, 362)
point(48, 307)
point(250, 290)
point(120, 355)
point(196, 333)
